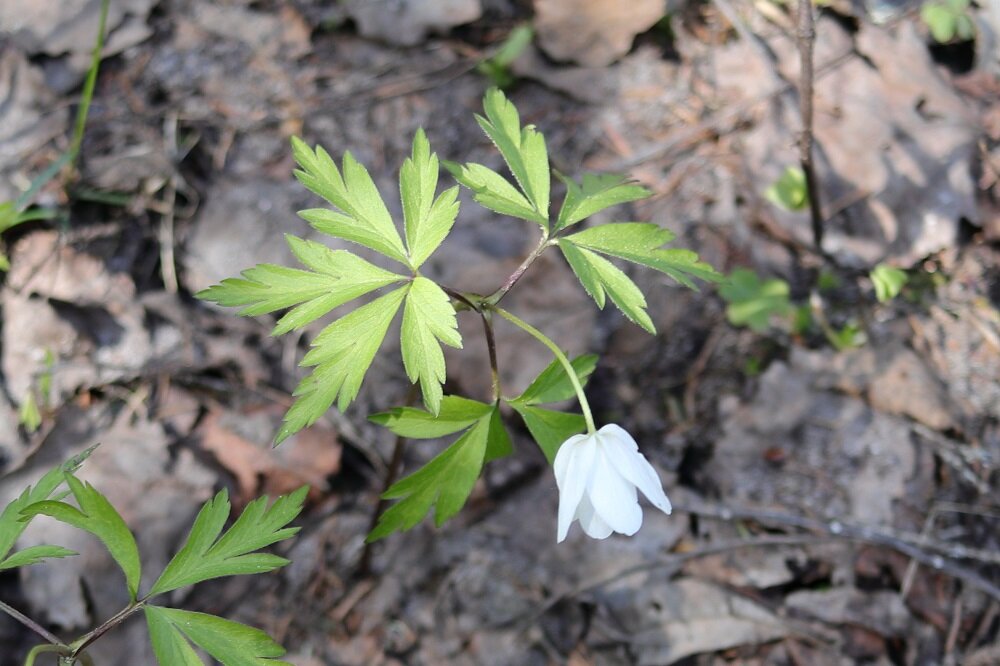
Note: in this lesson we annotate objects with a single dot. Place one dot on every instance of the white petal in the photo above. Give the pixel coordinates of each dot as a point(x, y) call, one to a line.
point(572, 476)
point(624, 455)
point(613, 497)
point(593, 525)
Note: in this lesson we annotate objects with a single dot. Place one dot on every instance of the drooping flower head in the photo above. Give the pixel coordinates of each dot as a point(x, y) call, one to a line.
point(598, 475)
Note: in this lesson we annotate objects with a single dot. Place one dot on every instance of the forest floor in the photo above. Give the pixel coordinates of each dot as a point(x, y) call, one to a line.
point(834, 505)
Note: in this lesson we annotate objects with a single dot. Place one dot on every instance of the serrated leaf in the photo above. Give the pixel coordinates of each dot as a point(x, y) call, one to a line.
point(230, 643)
point(599, 277)
point(594, 194)
point(334, 278)
point(206, 555)
point(342, 354)
point(550, 428)
point(364, 219)
point(523, 149)
point(495, 192)
point(34, 555)
point(12, 522)
point(789, 191)
point(96, 515)
point(498, 444)
point(427, 220)
point(752, 302)
point(445, 482)
point(428, 321)
point(457, 413)
point(641, 243)
point(553, 384)
point(888, 282)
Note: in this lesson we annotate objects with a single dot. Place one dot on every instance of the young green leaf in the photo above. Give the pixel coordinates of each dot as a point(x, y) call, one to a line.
point(96, 515)
point(789, 191)
point(13, 522)
point(341, 354)
point(549, 428)
point(753, 303)
point(206, 555)
point(522, 148)
point(230, 643)
point(457, 413)
point(28, 414)
point(334, 278)
point(428, 320)
point(493, 191)
point(888, 281)
point(364, 219)
point(497, 68)
point(599, 277)
point(594, 194)
point(641, 243)
point(427, 220)
point(446, 481)
point(553, 385)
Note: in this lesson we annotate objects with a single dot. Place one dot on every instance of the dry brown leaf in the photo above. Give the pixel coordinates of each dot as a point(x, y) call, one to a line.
point(593, 32)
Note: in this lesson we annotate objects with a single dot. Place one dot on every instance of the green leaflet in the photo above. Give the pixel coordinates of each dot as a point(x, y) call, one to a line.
point(553, 385)
point(596, 193)
point(456, 414)
point(495, 192)
point(789, 191)
point(446, 481)
point(888, 282)
point(341, 354)
point(752, 302)
point(641, 243)
point(12, 519)
point(97, 516)
point(427, 220)
point(230, 643)
point(34, 555)
point(334, 278)
point(550, 428)
point(599, 277)
point(428, 319)
point(364, 219)
point(522, 148)
point(206, 555)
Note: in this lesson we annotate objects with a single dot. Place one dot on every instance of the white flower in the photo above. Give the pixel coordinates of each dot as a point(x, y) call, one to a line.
point(597, 477)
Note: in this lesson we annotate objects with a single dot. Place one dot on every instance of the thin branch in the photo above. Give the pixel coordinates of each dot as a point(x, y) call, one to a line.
point(491, 345)
point(495, 297)
point(805, 37)
point(31, 624)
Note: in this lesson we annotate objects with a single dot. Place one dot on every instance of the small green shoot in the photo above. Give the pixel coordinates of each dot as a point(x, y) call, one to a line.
point(948, 20)
point(789, 191)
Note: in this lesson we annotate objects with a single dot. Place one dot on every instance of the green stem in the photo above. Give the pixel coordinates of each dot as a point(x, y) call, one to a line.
point(80, 644)
point(561, 357)
point(90, 83)
point(41, 649)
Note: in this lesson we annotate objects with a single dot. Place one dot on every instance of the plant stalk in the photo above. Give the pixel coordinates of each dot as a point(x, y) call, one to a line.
point(806, 37)
point(561, 357)
point(31, 624)
point(496, 296)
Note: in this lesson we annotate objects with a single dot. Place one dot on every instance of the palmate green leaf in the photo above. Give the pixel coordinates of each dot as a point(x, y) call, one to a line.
point(363, 216)
point(888, 281)
point(96, 515)
point(206, 555)
point(550, 428)
point(341, 354)
point(228, 642)
point(428, 320)
point(752, 302)
point(594, 194)
point(13, 522)
point(553, 384)
point(427, 220)
point(495, 192)
point(599, 277)
point(445, 482)
point(333, 278)
point(457, 413)
point(642, 243)
point(523, 149)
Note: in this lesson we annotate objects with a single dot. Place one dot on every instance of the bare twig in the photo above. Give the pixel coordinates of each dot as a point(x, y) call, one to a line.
point(805, 37)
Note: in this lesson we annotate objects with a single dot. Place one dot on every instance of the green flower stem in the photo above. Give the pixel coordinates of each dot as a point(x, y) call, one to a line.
point(558, 353)
point(90, 83)
point(42, 649)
